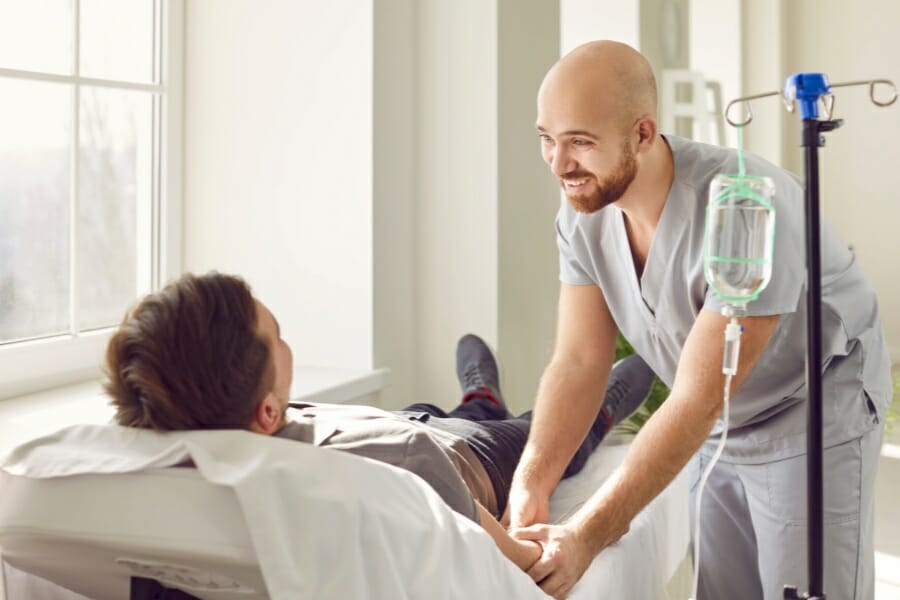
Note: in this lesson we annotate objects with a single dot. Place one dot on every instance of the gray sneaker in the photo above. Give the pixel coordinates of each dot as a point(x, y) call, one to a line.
point(477, 371)
point(629, 385)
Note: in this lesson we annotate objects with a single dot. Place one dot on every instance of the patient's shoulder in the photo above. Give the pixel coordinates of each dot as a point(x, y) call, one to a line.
point(299, 431)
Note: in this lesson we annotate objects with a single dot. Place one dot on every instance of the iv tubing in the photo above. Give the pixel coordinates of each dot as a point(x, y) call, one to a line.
point(729, 368)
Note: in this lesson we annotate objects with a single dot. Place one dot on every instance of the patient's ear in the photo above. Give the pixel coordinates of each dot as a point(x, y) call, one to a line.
point(267, 418)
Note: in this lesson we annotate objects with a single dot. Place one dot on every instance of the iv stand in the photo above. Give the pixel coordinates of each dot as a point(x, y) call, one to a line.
point(808, 89)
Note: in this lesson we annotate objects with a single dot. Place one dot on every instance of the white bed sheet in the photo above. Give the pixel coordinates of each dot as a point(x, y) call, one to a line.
point(354, 529)
point(641, 563)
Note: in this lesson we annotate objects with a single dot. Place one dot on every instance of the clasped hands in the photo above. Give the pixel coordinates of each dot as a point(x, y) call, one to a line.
point(564, 553)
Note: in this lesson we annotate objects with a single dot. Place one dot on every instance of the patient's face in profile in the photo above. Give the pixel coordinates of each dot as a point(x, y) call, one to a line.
point(282, 358)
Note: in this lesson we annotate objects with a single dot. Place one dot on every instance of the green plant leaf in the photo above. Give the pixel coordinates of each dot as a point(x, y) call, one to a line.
point(658, 393)
point(893, 412)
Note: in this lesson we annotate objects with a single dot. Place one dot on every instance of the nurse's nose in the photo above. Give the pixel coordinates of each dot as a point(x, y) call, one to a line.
point(561, 161)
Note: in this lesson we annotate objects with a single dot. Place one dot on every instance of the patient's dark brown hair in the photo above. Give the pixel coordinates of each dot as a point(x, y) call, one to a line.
point(189, 357)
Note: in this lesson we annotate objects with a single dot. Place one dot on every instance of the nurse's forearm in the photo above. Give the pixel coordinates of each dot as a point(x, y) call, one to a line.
point(662, 448)
point(675, 432)
point(567, 404)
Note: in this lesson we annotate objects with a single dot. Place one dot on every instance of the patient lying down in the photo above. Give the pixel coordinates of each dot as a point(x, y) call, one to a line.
point(204, 354)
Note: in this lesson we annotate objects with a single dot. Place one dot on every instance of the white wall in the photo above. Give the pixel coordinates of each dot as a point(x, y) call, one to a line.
point(528, 199)
point(585, 20)
point(717, 24)
point(485, 243)
point(278, 163)
point(396, 203)
point(346, 159)
point(456, 220)
point(762, 63)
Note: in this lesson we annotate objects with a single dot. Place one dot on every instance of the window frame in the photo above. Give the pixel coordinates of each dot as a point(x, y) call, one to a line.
point(38, 364)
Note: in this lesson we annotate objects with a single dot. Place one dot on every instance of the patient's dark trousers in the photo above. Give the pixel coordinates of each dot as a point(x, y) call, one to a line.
point(499, 439)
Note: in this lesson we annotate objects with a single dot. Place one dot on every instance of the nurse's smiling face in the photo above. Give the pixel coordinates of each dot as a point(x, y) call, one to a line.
point(592, 172)
point(594, 108)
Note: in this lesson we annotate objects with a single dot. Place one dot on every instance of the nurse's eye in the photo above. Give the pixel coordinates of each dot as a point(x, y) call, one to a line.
point(545, 139)
point(581, 142)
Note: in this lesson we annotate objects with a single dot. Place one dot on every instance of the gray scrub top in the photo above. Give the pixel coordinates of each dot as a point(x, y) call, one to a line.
point(656, 312)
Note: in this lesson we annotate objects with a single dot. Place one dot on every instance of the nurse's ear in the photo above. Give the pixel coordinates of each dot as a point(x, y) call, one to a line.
point(645, 132)
point(267, 417)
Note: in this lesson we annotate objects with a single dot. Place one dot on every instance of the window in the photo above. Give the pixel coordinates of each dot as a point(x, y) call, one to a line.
point(89, 187)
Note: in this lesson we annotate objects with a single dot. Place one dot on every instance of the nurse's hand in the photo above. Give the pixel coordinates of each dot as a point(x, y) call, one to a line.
point(526, 507)
point(564, 560)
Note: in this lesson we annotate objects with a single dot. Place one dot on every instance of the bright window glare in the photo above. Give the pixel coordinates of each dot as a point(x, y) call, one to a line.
point(35, 158)
point(114, 179)
point(117, 39)
point(32, 116)
point(36, 35)
point(65, 272)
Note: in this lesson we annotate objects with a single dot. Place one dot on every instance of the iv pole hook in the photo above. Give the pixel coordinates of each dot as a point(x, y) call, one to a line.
point(829, 106)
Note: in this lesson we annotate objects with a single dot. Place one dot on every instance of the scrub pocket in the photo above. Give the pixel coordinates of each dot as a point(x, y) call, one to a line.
point(842, 467)
point(782, 527)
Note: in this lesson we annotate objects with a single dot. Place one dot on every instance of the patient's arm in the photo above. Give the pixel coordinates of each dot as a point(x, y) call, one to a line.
point(523, 553)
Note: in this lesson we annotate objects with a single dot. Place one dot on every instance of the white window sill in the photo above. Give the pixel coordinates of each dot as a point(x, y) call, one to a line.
point(27, 417)
point(889, 450)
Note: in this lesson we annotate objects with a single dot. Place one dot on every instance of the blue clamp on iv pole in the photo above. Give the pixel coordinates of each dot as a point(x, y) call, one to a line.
point(808, 89)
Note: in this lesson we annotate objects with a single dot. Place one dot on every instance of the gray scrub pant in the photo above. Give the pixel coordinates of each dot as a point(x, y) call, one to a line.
point(753, 524)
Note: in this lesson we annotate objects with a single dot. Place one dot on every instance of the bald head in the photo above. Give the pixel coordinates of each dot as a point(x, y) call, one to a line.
point(610, 78)
point(597, 125)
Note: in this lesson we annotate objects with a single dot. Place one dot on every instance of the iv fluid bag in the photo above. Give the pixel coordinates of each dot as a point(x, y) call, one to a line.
point(740, 235)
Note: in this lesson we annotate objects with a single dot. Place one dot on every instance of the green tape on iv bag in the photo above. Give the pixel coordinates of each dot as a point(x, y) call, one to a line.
point(740, 186)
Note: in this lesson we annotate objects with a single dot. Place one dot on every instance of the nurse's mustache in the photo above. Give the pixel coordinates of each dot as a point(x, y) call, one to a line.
point(577, 175)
